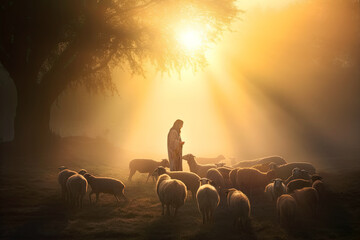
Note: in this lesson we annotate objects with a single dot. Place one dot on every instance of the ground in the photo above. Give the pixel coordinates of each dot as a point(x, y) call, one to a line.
point(32, 208)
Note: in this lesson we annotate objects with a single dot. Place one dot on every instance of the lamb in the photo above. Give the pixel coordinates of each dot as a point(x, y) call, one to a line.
point(307, 200)
point(215, 176)
point(63, 176)
point(275, 189)
point(284, 171)
point(77, 187)
point(145, 166)
point(248, 163)
point(215, 160)
point(105, 185)
point(301, 183)
point(191, 180)
point(239, 206)
point(171, 193)
point(207, 199)
point(251, 179)
point(286, 209)
point(199, 169)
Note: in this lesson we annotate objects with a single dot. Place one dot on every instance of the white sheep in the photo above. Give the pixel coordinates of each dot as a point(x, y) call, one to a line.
point(250, 180)
point(275, 189)
point(63, 176)
point(199, 169)
point(171, 193)
point(191, 180)
point(272, 159)
point(286, 209)
point(77, 187)
point(145, 166)
point(105, 185)
point(239, 206)
point(207, 199)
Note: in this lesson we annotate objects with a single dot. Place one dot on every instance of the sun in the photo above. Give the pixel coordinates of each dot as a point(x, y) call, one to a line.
point(190, 39)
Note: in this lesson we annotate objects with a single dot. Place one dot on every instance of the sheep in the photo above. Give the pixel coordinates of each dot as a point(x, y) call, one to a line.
point(248, 163)
point(82, 172)
point(263, 167)
point(301, 183)
point(63, 176)
point(232, 177)
point(298, 173)
point(215, 160)
point(215, 176)
point(307, 200)
point(284, 171)
point(191, 180)
point(225, 172)
point(77, 187)
point(286, 210)
point(275, 189)
point(239, 206)
point(251, 179)
point(199, 169)
point(320, 188)
point(145, 166)
point(105, 185)
point(207, 199)
point(171, 193)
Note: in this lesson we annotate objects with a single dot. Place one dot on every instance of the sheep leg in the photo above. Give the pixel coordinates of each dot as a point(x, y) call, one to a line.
point(203, 216)
point(207, 215)
point(162, 205)
point(97, 197)
point(90, 196)
point(148, 177)
point(168, 209)
point(117, 199)
point(132, 172)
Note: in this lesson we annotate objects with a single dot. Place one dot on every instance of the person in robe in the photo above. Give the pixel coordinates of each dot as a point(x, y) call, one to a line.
point(175, 145)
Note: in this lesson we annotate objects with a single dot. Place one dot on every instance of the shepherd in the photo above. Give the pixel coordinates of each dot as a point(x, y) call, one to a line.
point(175, 145)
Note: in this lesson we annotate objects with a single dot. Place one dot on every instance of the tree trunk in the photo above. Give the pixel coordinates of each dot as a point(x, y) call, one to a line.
point(31, 126)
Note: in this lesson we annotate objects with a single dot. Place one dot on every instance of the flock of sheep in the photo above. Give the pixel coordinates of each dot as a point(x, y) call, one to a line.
point(294, 188)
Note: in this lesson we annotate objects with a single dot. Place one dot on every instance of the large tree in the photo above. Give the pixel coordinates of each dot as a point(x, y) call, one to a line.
point(49, 45)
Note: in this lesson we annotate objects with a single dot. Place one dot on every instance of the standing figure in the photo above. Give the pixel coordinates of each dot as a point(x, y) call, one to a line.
point(175, 145)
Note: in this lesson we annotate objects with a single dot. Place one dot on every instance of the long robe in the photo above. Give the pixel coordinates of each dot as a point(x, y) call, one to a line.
point(174, 150)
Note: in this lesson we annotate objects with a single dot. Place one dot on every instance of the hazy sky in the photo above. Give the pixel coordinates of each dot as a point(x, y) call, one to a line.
point(259, 95)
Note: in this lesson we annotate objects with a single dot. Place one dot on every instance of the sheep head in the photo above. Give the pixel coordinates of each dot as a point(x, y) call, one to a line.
point(277, 182)
point(159, 171)
point(189, 157)
point(165, 163)
point(205, 181)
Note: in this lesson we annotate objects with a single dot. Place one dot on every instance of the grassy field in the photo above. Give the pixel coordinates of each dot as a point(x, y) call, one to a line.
point(31, 208)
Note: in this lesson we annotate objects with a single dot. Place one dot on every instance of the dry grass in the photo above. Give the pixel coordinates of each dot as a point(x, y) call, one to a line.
point(31, 208)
